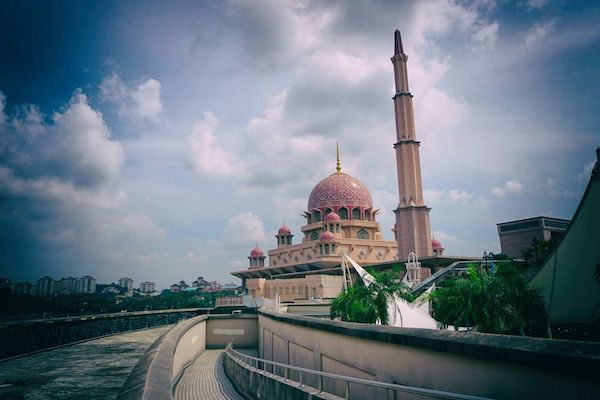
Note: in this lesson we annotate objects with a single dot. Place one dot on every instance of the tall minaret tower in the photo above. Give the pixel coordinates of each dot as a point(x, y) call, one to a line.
point(413, 231)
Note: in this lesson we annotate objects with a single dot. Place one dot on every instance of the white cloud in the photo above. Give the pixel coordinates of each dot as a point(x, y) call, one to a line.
point(538, 32)
point(206, 155)
point(445, 238)
point(84, 146)
point(146, 98)
point(584, 175)
point(459, 196)
point(511, 186)
point(487, 34)
point(435, 196)
point(112, 88)
point(537, 4)
point(245, 229)
point(139, 103)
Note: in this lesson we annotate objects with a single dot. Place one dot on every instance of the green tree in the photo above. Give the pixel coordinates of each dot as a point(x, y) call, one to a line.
point(368, 304)
point(493, 303)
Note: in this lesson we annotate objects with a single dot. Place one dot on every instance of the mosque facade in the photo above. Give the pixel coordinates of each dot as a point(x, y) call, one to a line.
point(341, 218)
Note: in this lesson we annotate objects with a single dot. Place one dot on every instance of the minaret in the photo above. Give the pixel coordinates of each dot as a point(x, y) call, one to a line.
point(413, 231)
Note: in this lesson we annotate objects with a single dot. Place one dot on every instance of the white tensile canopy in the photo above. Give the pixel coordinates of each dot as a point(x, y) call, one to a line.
point(401, 313)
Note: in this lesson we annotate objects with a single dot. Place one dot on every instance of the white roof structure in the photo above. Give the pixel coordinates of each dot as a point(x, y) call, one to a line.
point(401, 313)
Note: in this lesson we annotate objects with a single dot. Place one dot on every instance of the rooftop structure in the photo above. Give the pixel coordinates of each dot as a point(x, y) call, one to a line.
point(520, 234)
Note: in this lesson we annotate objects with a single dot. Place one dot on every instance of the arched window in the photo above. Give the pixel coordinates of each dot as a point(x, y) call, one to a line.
point(362, 234)
point(309, 219)
point(289, 240)
point(333, 248)
point(327, 211)
point(330, 227)
point(314, 235)
point(367, 215)
point(337, 227)
point(326, 249)
point(321, 249)
point(343, 213)
point(317, 216)
point(355, 213)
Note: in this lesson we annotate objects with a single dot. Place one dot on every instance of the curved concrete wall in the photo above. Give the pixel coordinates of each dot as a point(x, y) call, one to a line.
point(159, 369)
point(496, 366)
point(30, 336)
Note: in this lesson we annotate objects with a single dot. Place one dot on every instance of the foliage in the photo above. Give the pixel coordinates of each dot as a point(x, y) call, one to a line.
point(543, 248)
point(493, 302)
point(368, 304)
point(61, 306)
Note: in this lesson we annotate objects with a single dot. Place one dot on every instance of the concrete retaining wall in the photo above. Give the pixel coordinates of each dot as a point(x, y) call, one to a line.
point(30, 336)
point(496, 366)
point(159, 369)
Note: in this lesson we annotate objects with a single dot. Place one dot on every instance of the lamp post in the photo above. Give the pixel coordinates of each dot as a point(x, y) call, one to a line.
point(485, 256)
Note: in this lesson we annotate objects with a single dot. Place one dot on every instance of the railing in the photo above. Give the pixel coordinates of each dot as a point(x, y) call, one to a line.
point(229, 301)
point(427, 282)
point(261, 365)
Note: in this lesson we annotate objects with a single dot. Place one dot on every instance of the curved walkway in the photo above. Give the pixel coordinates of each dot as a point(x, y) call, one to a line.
point(205, 379)
point(90, 370)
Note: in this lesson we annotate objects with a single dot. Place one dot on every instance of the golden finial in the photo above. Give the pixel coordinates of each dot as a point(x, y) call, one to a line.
point(338, 167)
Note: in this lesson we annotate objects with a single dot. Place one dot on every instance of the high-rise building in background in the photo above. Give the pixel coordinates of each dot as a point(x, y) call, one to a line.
point(126, 283)
point(45, 287)
point(66, 286)
point(86, 284)
point(412, 229)
point(24, 288)
point(147, 287)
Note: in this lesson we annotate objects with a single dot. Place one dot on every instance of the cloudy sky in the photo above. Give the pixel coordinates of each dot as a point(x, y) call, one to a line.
point(163, 140)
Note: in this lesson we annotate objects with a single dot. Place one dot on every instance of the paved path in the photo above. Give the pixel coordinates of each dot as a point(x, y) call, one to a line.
point(92, 370)
point(205, 379)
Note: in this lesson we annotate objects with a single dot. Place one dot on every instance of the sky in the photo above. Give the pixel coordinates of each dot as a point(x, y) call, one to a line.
point(163, 140)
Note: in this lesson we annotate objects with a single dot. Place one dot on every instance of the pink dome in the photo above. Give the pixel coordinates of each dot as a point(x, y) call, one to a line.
point(284, 230)
point(327, 237)
point(257, 252)
point(332, 217)
point(436, 244)
point(340, 189)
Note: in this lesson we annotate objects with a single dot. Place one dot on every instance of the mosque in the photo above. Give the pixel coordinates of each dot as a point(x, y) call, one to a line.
point(341, 218)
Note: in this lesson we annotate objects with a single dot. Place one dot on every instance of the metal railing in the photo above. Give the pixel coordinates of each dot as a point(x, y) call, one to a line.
point(263, 366)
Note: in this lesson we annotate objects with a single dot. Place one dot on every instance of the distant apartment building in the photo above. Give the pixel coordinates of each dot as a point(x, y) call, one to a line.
point(45, 287)
point(85, 284)
point(147, 287)
point(518, 235)
point(66, 286)
point(24, 288)
point(126, 283)
point(5, 283)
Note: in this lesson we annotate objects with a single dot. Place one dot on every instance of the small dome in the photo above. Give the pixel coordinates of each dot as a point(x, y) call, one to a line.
point(257, 252)
point(284, 230)
point(332, 217)
point(436, 244)
point(327, 237)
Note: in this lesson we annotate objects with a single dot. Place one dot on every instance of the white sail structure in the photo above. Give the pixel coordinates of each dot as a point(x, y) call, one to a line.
point(400, 312)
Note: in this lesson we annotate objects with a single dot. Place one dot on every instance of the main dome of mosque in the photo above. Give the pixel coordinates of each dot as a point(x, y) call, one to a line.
point(337, 190)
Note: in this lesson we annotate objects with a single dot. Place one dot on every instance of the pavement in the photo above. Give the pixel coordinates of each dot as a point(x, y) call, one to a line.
point(91, 370)
point(205, 379)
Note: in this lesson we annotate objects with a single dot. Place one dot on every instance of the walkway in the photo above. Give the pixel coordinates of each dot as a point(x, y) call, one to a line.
point(205, 379)
point(91, 370)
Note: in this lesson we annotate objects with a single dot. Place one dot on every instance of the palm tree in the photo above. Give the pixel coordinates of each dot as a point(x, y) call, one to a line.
point(368, 304)
point(458, 303)
point(492, 302)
